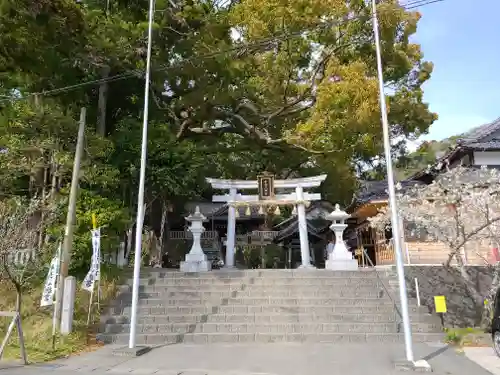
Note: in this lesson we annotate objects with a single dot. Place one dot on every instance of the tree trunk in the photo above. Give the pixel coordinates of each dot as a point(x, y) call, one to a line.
point(103, 101)
point(469, 284)
point(15, 283)
point(489, 301)
point(471, 288)
point(164, 215)
point(18, 300)
point(41, 233)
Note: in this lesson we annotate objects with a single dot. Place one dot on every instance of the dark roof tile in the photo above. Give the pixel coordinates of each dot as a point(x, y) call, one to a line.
point(254, 210)
point(314, 228)
point(377, 190)
point(480, 132)
point(484, 146)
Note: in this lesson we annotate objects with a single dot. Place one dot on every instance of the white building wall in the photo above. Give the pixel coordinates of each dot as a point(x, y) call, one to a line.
point(486, 157)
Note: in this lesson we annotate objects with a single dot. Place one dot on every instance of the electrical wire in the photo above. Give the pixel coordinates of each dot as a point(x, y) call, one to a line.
point(412, 4)
point(416, 3)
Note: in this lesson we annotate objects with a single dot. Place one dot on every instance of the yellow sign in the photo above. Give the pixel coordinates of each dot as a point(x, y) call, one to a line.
point(94, 221)
point(440, 304)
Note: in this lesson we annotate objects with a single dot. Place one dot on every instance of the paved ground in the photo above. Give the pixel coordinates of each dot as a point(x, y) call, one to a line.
point(255, 359)
point(485, 357)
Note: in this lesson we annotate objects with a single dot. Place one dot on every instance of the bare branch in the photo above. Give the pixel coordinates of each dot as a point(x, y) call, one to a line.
point(467, 237)
point(461, 206)
point(20, 225)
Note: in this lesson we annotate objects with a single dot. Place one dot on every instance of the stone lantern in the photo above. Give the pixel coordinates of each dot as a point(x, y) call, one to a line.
point(340, 259)
point(196, 260)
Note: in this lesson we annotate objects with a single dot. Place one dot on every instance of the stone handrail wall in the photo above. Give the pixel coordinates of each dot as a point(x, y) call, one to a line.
point(264, 235)
point(254, 238)
point(187, 235)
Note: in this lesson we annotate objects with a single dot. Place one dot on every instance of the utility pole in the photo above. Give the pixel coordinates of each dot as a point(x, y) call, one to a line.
point(396, 230)
point(71, 216)
point(142, 181)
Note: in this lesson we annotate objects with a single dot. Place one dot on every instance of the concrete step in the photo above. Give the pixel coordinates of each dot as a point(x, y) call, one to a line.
point(304, 328)
point(250, 287)
point(266, 309)
point(268, 273)
point(247, 287)
point(208, 338)
point(389, 317)
point(318, 281)
point(291, 302)
point(256, 293)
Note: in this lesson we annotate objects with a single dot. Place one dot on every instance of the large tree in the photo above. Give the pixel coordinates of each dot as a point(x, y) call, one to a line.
point(283, 73)
point(237, 88)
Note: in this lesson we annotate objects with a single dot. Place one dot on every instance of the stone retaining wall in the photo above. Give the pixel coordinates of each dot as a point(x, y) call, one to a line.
point(438, 280)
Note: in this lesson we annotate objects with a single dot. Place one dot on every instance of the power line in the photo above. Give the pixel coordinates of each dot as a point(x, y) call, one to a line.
point(136, 73)
point(241, 47)
point(416, 3)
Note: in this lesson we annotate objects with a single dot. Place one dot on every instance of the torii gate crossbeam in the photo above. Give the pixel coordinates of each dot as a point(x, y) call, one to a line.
point(298, 196)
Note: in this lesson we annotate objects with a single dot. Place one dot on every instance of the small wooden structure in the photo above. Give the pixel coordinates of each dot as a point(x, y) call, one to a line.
point(15, 322)
point(367, 203)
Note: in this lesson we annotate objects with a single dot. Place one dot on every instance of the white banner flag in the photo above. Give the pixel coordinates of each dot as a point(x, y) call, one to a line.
point(95, 267)
point(49, 290)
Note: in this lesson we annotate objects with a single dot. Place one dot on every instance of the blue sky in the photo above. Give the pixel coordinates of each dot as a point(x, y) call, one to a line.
point(462, 39)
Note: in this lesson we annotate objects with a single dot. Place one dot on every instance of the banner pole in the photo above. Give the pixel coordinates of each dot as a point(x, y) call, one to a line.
point(57, 301)
point(90, 307)
point(91, 298)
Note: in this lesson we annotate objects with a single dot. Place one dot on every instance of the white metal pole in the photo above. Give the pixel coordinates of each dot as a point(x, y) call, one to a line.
point(417, 290)
point(142, 178)
point(392, 195)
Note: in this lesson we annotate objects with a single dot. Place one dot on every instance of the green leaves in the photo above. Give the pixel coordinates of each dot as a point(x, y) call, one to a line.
point(329, 73)
point(173, 168)
point(278, 85)
point(38, 39)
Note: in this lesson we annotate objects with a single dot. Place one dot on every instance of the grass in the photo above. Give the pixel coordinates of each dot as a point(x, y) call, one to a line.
point(37, 321)
point(467, 337)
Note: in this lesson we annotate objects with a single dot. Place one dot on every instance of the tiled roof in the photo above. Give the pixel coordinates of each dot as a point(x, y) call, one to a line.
point(478, 133)
point(327, 206)
point(377, 190)
point(474, 140)
point(315, 228)
point(222, 211)
point(206, 208)
point(484, 146)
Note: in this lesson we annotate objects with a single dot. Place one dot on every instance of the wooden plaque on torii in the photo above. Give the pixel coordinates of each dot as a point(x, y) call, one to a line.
point(266, 186)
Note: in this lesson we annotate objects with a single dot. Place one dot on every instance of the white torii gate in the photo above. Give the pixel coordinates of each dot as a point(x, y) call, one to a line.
point(299, 197)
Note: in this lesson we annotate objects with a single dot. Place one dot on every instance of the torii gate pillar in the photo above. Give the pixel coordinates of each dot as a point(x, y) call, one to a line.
point(298, 197)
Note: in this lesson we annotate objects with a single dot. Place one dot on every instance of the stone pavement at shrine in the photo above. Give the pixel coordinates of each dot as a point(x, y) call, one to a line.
point(259, 359)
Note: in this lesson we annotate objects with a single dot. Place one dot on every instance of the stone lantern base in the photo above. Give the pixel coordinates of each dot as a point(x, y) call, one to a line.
point(340, 259)
point(342, 264)
point(196, 263)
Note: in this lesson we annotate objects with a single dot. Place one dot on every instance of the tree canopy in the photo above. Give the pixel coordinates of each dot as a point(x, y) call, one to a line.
point(237, 87)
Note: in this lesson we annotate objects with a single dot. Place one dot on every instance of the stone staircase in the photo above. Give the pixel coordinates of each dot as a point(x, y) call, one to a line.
point(264, 306)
